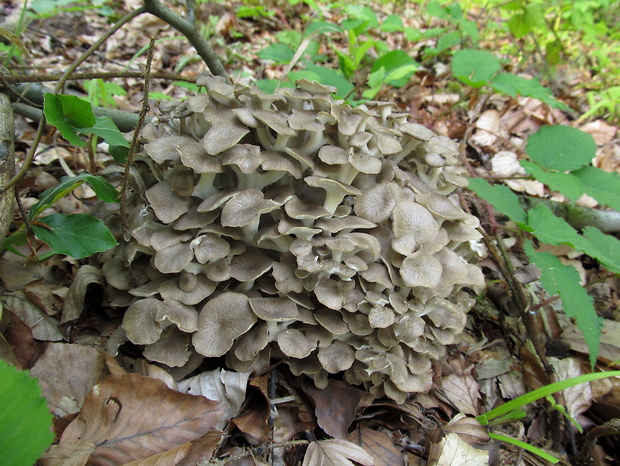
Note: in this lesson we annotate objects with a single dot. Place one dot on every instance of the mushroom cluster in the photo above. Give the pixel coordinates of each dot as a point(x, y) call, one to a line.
point(293, 227)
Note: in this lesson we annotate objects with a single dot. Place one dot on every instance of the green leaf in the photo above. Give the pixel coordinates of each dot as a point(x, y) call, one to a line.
point(514, 85)
point(447, 41)
point(564, 281)
point(364, 12)
point(76, 235)
point(25, 422)
point(561, 148)
point(69, 114)
point(119, 153)
point(106, 129)
point(268, 86)
point(555, 230)
point(501, 198)
point(393, 61)
point(279, 53)
point(526, 446)
point(601, 185)
point(608, 247)
point(475, 68)
point(393, 23)
point(520, 25)
point(104, 191)
point(565, 183)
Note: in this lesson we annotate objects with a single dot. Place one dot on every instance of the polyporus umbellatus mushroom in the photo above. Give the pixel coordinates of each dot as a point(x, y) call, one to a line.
point(295, 227)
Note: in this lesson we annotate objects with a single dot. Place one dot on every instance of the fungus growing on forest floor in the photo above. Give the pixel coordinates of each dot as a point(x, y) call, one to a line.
point(294, 227)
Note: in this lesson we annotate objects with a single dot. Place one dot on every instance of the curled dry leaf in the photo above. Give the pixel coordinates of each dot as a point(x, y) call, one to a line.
point(128, 417)
point(74, 302)
point(336, 453)
point(226, 387)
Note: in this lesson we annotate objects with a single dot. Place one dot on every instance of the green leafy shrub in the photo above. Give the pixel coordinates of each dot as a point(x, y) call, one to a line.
point(560, 157)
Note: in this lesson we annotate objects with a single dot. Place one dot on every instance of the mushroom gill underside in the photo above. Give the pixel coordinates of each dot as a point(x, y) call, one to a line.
point(293, 227)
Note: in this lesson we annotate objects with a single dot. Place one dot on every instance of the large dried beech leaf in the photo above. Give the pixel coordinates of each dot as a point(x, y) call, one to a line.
point(337, 405)
point(379, 445)
point(164, 458)
point(336, 453)
point(66, 374)
point(129, 417)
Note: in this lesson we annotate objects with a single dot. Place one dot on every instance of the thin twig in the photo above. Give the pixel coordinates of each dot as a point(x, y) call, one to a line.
point(39, 78)
point(136, 134)
point(194, 37)
point(252, 451)
point(61, 82)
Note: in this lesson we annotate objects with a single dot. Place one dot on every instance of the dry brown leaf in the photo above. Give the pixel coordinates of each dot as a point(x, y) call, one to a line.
point(170, 457)
point(43, 328)
point(455, 452)
point(337, 405)
point(226, 387)
point(468, 428)
point(609, 349)
point(336, 453)
point(68, 454)
point(379, 445)
point(128, 417)
point(463, 392)
point(602, 132)
point(577, 399)
point(46, 296)
point(511, 385)
point(16, 273)
point(66, 374)
point(202, 449)
point(74, 303)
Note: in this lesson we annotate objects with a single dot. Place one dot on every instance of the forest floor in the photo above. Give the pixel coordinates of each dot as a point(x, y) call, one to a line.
point(493, 362)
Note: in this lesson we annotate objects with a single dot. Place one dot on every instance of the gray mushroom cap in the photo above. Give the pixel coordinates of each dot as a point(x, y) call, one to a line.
point(220, 322)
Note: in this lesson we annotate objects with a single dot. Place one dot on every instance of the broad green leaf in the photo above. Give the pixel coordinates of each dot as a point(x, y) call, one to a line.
point(106, 129)
point(514, 85)
point(322, 27)
point(119, 153)
point(25, 422)
point(447, 41)
point(364, 12)
point(65, 116)
point(565, 183)
point(435, 9)
point(501, 198)
point(470, 28)
point(520, 25)
point(393, 61)
point(393, 23)
point(561, 148)
point(104, 191)
point(268, 86)
point(609, 247)
point(555, 230)
point(76, 235)
point(279, 53)
point(601, 185)
point(564, 281)
point(475, 68)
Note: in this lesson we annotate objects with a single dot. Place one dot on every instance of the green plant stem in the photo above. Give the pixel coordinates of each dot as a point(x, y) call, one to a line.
point(59, 85)
point(194, 37)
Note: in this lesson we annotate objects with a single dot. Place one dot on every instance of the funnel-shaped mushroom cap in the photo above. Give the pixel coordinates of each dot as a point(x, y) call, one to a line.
point(221, 321)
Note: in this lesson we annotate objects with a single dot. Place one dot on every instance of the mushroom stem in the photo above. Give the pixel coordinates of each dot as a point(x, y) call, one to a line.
point(346, 173)
point(409, 147)
point(205, 187)
point(332, 201)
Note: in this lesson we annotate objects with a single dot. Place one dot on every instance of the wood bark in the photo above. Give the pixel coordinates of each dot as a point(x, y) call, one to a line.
point(7, 163)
